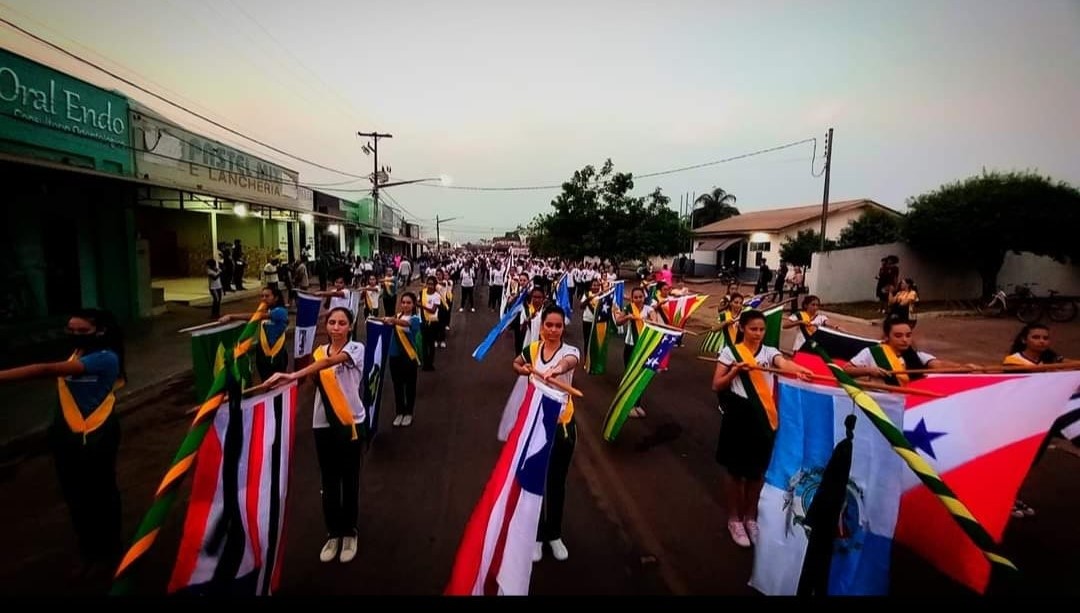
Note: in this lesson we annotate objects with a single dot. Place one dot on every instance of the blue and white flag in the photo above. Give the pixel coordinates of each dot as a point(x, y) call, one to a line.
point(307, 319)
point(811, 424)
point(620, 287)
point(376, 350)
point(510, 314)
point(562, 296)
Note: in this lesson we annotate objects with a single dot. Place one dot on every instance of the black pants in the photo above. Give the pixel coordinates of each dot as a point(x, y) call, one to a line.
point(389, 302)
point(339, 466)
point(430, 332)
point(267, 366)
point(586, 331)
point(495, 296)
point(467, 298)
point(403, 371)
point(551, 512)
point(87, 475)
point(215, 309)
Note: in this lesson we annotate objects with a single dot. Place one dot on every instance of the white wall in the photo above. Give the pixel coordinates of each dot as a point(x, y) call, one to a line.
point(847, 275)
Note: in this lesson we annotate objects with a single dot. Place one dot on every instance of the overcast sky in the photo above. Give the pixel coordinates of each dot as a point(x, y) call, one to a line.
point(508, 93)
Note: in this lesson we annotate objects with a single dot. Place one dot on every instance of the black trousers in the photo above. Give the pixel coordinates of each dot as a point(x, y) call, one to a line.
point(586, 331)
point(430, 332)
point(267, 366)
point(389, 302)
point(339, 466)
point(403, 372)
point(87, 475)
point(551, 512)
point(467, 298)
point(495, 296)
point(215, 296)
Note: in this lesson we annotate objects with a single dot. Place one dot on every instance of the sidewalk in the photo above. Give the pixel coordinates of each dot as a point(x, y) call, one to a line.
point(193, 291)
point(155, 356)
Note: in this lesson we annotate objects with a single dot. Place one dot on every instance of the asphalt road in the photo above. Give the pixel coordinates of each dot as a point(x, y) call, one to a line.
point(643, 516)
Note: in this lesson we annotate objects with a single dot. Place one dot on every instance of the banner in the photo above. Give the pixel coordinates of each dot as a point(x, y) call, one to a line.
point(376, 350)
point(307, 319)
point(509, 315)
point(207, 349)
point(232, 538)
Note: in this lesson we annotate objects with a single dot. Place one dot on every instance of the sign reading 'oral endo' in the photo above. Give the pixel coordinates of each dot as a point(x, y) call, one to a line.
point(60, 114)
point(169, 155)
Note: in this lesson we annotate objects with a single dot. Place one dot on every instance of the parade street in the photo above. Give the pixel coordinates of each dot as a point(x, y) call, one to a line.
point(643, 516)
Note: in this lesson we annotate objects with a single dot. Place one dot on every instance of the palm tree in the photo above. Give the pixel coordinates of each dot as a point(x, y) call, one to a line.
point(715, 206)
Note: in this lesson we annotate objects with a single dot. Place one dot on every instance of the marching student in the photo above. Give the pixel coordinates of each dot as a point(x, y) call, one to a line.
point(550, 358)
point(338, 419)
point(404, 358)
point(637, 313)
point(468, 280)
point(271, 355)
point(445, 287)
point(495, 286)
point(529, 318)
point(371, 293)
point(430, 304)
point(389, 291)
point(808, 320)
point(588, 310)
point(84, 436)
point(342, 296)
point(895, 354)
point(748, 429)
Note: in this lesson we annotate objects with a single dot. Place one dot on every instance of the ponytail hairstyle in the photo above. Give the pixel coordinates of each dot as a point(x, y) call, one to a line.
point(1020, 343)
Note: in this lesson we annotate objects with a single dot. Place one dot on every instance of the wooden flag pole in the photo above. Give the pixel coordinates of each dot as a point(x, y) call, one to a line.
point(205, 326)
point(880, 387)
point(993, 368)
point(558, 385)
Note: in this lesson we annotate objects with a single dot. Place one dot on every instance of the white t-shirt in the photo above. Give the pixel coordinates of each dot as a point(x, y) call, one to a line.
point(350, 301)
point(434, 299)
point(864, 359)
point(764, 357)
point(540, 366)
point(497, 276)
point(466, 278)
point(350, 374)
point(817, 320)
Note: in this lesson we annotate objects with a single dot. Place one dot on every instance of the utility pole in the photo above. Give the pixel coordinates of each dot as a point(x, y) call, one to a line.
point(438, 237)
point(825, 198)
point(375, 136)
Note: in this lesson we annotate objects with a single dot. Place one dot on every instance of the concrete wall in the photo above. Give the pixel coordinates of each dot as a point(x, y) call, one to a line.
point(847, 275)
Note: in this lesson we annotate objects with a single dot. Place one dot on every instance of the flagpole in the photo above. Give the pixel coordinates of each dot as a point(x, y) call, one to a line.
point(556, 384)
point(881, 387)
point(993, 368)
point(672, 328)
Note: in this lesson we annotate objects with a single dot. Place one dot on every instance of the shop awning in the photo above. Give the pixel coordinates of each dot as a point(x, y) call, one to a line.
point(719, 244)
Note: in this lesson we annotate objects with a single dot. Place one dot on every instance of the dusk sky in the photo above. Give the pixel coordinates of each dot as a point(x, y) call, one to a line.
point(490, 93)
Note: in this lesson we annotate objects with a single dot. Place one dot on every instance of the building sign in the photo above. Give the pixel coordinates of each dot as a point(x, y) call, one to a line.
point(58, 115)
point(172, 156)
point(386, 218)
point(305, 198)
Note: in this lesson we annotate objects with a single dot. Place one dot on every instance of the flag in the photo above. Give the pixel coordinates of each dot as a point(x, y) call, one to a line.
point(620, 288)
point(207, 349)
point(840, 346)
point(232, 543)
point(652, 347)
point(495, 555)
point(562, 296)
point(596, 350)
point(508, 316)
point(307, 318)
point(811, 425)
point(1069, 423)
point(981, 438)
point(754, 301)
point(676, 311)
point(774, 320)
point(376, 350)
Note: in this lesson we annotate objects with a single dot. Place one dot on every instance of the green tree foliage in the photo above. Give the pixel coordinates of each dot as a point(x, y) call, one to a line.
point(873, 227)
point(595, 215)
point(974, 222)
point(798, 249)
point(715, 206)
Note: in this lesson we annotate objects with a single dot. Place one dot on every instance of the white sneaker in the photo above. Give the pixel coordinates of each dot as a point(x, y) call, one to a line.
point(752, 530)
point(738, 532)
point(538, 552)
point(407, 421)
point(348, 549)
point(329, 550)
point(461, 310)
point(472, 310)
point(558, 550)
point(398, 419)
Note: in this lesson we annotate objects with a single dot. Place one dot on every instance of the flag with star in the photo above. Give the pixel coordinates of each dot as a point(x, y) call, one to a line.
point(982, 438)
point(596, 349)
point(652, 348)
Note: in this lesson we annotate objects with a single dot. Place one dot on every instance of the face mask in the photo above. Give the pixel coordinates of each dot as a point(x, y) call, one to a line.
point(85, 342)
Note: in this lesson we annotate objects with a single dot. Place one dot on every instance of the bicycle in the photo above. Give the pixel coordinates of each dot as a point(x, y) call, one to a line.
point(1029, 308)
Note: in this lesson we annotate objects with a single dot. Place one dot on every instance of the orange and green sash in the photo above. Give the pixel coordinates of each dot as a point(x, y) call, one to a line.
point(1018, 359)
point(264, 342)
point(807, 329)
point(406, 342)
point(731, 333)
point(428, 317)
point(757, 387)
point(533, 352)
point(886, 358)
point(333, 395)
point(70, 409)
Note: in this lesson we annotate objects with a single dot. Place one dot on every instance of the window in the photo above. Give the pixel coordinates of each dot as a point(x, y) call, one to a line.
point(760, 246)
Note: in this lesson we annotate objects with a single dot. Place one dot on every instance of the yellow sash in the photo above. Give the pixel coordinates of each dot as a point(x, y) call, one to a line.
point(639, 321)
point(895, 363)
point(70, 409)
point(332, 393)
point(761, 387)
point(264, 342)
point(804, 317)
point(372, 302)
point(1018, 359)
point(568, 412)
point(406, 344)
point(427, 316)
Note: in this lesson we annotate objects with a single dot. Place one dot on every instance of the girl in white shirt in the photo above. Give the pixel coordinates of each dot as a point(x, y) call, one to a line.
point(338, 425)
point(808, 320)
point(467, 280)
point(636, 313)
point(896, 354)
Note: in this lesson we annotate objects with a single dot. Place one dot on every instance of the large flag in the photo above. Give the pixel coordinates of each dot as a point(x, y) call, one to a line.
point(676, 311)
point(652, 347)
point(774, 322)
point(376, 350)
point(207, 350)
point(620, 288)
point(495, 555)
point(981, 438)
point(1069, 423)
point(811, 424)
point(307, 318)
point(596, 348)
point(840, 346)
point(508, 316)
point(562, 296)
point(232, 540)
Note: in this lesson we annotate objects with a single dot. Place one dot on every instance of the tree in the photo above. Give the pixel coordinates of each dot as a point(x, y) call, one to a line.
point(974, 222)
point(595, 215)
point(873, 227)
point(715, 206)
point(797, 250)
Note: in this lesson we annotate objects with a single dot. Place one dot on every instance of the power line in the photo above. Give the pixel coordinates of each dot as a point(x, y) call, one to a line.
point(174, 104)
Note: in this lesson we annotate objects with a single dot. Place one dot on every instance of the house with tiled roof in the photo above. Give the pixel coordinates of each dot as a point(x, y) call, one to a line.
point(754, 237)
